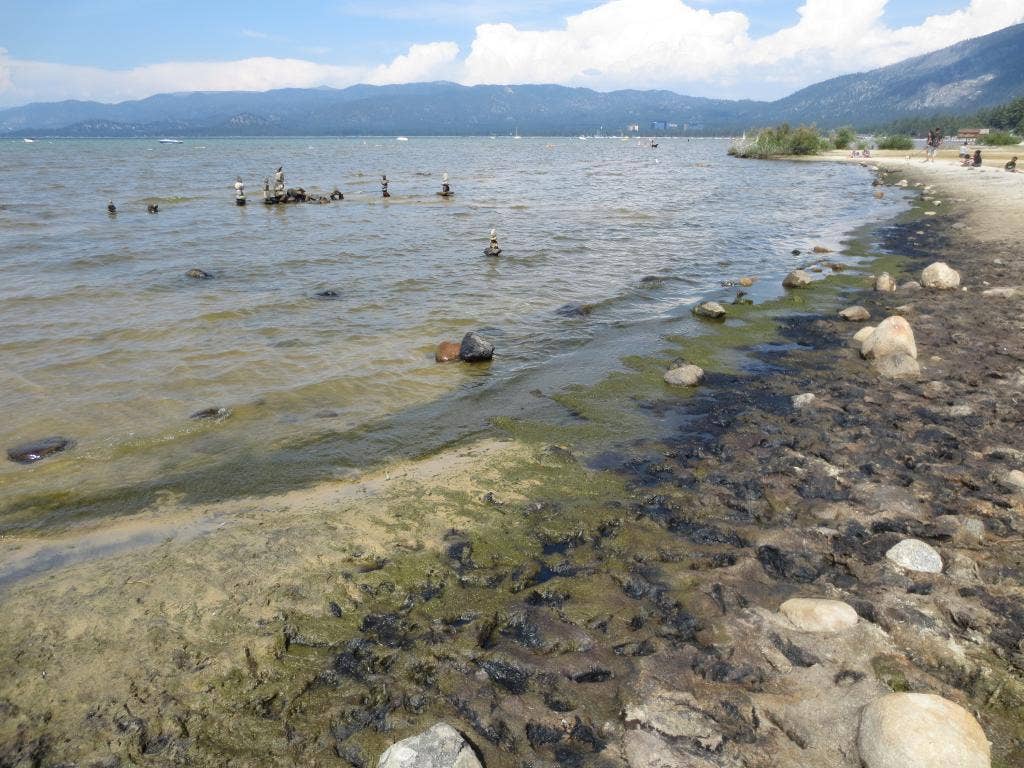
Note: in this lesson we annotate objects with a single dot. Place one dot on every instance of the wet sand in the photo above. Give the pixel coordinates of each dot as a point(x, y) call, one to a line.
point(571, 609)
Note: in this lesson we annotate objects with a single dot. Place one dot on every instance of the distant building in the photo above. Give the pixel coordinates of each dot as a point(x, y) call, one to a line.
point(673, 125)
point(658, 125)
point(634, 128)
point(971, 134)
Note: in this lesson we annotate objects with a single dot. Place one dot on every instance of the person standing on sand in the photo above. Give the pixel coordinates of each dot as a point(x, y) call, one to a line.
point(933, 143)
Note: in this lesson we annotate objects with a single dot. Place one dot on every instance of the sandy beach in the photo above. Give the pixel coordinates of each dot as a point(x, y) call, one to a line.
point(622, 610)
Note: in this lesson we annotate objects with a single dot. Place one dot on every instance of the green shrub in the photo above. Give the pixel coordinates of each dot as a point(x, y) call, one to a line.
point(843, 137)
point(781, 141)
point(896, 142)
point(862, 145)
point(999, 139)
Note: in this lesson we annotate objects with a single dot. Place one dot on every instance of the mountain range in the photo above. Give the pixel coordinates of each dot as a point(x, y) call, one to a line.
point(962, 78)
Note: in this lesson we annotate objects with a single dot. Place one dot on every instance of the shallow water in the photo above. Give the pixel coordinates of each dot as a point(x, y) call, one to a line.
point(104, 340)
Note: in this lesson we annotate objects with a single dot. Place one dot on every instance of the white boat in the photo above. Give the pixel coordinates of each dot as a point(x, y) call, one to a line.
point(401, 138)
point(29, 141)
point(171, 141)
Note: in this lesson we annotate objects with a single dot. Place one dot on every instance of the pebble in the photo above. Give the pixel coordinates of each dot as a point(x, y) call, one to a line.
point(1001, 293)
point(856, 314)
point(440, 747)
point(684, 376)
point(920, 730)
point(941, 276)
point(915, 555)
point(818, 615)
point(709, 309)
point(1013, 481)
point(798, 278)
point(36, 450)
point(803, 400)
point(885, 283)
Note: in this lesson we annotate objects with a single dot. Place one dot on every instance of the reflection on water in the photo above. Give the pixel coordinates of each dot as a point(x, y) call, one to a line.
point(105, 340)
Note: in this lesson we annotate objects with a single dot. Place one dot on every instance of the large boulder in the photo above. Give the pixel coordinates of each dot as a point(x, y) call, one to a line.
point(898, 366)
point(915, 555)
point(941, 276)
point(856, 314)
point(31, 452)
point(474, 349)
point(920, 730)
point(885, 283)
point(709, 309)
point(818, 615)
point(798, 278)
point(440, 747)
point(684, 376)
point(892, 336)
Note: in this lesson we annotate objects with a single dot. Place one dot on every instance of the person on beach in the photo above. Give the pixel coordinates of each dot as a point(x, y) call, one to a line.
point(932, 145)
point(384, 186)
point(965, 151)
point(1011, 166)
point(976, 162)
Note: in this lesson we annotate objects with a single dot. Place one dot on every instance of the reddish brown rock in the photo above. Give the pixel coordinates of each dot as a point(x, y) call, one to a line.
point(447, 351)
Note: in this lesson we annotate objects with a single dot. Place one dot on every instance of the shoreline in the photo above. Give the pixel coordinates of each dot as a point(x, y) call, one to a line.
point(686, 543)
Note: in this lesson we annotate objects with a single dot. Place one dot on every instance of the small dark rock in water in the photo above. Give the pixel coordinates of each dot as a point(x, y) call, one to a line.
point(795, 251)
point(211, 413)
point(328, 294)
point(492, 251)
point(153, 208)
point(510, 677)
point(198, 274)
point(574, 309)
point(28, 453)
point(474, 349)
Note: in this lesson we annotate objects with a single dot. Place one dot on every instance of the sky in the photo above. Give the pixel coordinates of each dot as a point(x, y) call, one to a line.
point(114, 50)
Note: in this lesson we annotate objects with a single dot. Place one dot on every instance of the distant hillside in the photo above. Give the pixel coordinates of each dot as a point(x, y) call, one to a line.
point(962, 78)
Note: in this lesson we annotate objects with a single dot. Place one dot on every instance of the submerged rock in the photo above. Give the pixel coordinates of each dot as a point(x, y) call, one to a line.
point(818, 615)
point(684, 376)
point(440, 747)
point(855, 314)
point(198, 274)
point(447, 351)
point(941, 276)
point(821, 249)
point(920, 730)
point(574, 309)
point(31, 452)
point(885, 283)
point(474, 349)
point(211, 413)
point(746, 282)
point(796, 279)
point(709, 309)
point(915, 555)
point(330, 293)
point(892, 336)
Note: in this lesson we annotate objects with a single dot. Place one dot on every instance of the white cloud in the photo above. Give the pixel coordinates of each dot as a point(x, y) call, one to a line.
point(617, 44)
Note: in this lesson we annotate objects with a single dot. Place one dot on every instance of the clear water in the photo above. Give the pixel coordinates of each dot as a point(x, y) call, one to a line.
point(103, 339)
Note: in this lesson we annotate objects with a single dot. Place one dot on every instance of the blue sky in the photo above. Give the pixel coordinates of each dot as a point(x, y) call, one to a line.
point(112, 49)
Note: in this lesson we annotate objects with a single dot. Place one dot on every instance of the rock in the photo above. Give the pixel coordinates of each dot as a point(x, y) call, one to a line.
point(940, 276)
point(684, 376)
point(821, 249)
point(1000, 293)
point(709, 309)
point(803, 400)
point(198, 274)
point(915, 555)
point(447, 351)
point(211, 413)
point(934, 390)
point(910, 285)
point(855, 314)
point(1013, 481)
point(440, 747)
point(648, 750)
point(746, 282)
point(328, 294)
point(796, 279)
point(574, 309)
point(892, 336)
point(970, 530)
point(474, 349)
point(885, 283)
point(36, 450)
point(860, 336)
point(898, 366)
point(920, 730)
point(818, 615)
point(675, 714)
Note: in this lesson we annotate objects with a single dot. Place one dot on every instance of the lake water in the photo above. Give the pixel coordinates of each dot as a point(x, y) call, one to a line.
point(103, 339)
